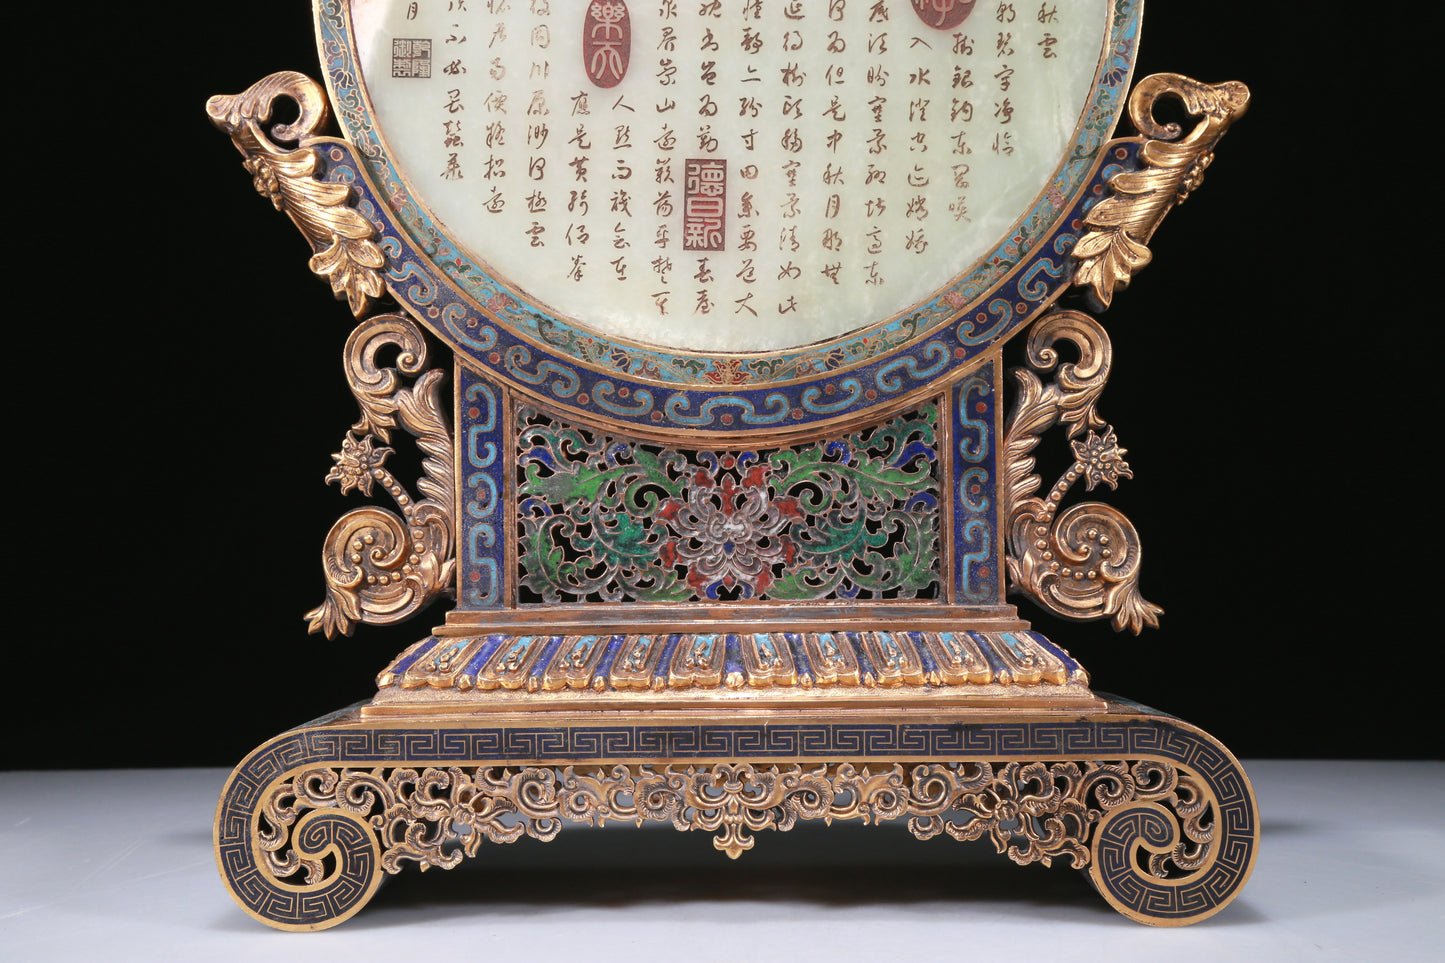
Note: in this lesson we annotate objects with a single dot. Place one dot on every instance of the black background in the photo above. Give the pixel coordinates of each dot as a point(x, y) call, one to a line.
point(177, 410)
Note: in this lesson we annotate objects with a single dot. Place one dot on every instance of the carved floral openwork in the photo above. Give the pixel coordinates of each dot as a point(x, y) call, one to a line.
point(1030, 811)
point(613, 519)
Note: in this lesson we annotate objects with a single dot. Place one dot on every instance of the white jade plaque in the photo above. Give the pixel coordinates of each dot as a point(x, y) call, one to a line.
point(728, 175)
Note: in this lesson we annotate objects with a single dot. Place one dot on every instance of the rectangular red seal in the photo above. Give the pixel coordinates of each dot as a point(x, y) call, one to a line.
point(703, 227)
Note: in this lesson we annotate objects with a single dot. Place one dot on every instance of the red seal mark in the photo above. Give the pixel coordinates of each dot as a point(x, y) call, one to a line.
point(943, 14)
point(606, 42)
point(705, 205)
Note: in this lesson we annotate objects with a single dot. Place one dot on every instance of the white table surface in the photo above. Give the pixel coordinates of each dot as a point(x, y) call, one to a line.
point(117, 865)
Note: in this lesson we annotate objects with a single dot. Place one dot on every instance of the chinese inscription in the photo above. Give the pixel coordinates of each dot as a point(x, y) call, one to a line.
point(731, 174)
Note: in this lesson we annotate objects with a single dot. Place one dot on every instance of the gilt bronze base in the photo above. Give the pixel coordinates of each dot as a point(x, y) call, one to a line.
point(1160, 816)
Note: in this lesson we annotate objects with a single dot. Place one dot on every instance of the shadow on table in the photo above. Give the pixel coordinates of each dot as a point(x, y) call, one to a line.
point(838, 867)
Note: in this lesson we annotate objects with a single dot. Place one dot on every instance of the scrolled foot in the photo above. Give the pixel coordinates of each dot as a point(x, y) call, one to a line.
point(295, 873)
point(1177, 861)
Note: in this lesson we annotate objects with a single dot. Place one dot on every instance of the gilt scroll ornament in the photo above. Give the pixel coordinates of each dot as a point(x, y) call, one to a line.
point(1081, 562)
point(381, 568)
point(1114, 248)
point(346, 255)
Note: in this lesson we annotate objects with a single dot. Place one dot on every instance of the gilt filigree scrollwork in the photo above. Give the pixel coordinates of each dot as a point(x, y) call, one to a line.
point(345, 253)
point(1081, 562)
point(381, 568)
point(1030, 811)
point(1114, 246)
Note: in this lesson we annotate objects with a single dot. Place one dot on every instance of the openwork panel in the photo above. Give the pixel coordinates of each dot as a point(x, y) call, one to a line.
point(606, 518)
